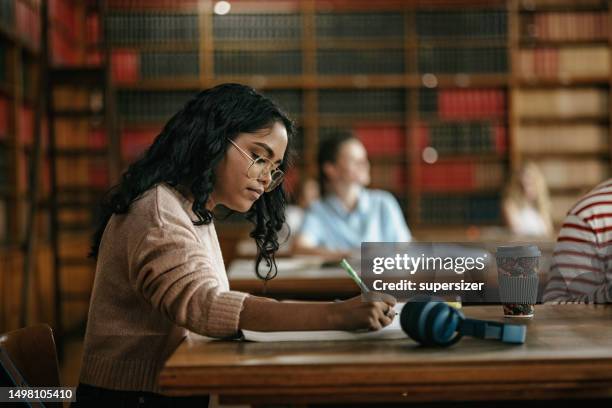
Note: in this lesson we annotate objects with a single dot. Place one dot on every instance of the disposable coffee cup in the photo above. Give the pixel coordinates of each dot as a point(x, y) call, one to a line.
point(517, 274)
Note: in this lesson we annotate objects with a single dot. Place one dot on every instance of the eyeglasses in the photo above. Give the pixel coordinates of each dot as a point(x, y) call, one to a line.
point(261, 166)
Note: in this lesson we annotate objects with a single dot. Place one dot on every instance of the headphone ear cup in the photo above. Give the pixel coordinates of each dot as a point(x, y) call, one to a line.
point(442, 324)
point(409, 319)
point(431, 322)
point(411, 314)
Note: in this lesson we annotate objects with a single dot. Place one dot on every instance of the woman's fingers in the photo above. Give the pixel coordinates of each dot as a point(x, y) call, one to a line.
point(385, 320)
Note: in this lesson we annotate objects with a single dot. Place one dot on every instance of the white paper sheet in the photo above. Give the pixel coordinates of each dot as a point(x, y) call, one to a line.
point(393, 331)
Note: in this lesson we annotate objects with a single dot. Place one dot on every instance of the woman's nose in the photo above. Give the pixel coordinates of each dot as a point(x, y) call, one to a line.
point(265, 177)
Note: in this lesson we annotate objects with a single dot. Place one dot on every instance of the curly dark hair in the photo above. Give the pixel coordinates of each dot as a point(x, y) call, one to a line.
point(186, 153)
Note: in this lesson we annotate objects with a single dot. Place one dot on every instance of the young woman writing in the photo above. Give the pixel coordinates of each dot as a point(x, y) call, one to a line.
point(160, 272)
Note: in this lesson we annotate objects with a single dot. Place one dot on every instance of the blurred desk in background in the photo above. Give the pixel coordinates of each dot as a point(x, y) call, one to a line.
point(302, 277)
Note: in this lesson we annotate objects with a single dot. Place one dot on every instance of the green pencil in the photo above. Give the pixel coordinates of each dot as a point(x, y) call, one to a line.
point(347, 267)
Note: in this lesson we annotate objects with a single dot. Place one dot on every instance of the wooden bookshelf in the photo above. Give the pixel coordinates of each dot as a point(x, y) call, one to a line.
point(563, 56)
point(391, 48)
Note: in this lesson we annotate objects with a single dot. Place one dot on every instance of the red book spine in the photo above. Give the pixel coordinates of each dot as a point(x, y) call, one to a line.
point(134, 142)
point(4, 117)
point(21, 19)
point(98, 174)
point(381, 139)
point(470, 104)
point(422, 135)
point(97, 139)
point(26, 125)
point(125, 65)
point(93, 29)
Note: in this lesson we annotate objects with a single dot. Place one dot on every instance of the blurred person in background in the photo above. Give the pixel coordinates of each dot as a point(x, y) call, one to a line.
point(348, 213)
point(526, 203)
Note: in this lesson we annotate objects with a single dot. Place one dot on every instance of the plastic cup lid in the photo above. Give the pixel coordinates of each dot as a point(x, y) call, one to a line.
point(518, 251)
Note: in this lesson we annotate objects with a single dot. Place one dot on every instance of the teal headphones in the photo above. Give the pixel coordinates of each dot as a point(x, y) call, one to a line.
point(431, 322)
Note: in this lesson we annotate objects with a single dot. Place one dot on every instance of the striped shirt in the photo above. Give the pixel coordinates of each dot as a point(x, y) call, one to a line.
point(581, 269)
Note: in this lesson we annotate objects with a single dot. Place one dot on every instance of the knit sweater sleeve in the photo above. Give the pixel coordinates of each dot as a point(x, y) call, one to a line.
point(170, 268)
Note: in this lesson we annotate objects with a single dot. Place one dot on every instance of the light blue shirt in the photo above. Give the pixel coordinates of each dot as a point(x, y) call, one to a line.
point(376, 218)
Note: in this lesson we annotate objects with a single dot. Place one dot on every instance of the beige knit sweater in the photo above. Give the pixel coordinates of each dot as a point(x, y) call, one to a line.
point(157, 277)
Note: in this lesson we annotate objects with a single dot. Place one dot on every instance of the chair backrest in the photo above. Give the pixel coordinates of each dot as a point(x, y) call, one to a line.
point(32, 352)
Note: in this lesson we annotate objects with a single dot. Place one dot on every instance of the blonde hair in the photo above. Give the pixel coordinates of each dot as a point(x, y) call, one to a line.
point(514, 192)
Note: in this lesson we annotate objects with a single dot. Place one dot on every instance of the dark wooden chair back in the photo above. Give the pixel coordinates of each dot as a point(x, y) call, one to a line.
point(32, 352)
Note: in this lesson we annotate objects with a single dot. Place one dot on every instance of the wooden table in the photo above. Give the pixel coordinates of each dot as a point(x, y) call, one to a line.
point(568, 354)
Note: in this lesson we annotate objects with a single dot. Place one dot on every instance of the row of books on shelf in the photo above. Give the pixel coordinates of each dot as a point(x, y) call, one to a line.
point(569, 138)
point(288, 62)
point(150, 4)
point(446, 104)
point(260, 26)
point(447, 60)
point(288, 25)
point(67, 97)
point(82, 172)
point(78, 134)
point(461, 176)
point(464, 137)
point(128, 27)
point(562, 103)
point(573, 173)
point(290, 101)
point(71, 172)
point(458, 104)
point(380, 139)
point(560, 204)
point(349, 62)
point(329, 62)
point(361, 101)
point(565, 26)
point(130, 65)
point(151, 27)
point(460, 209)
point(481, 23)
point(156, 106)
point(159, 106)
point(390, 177)
point(360, 25)
point(565, 63)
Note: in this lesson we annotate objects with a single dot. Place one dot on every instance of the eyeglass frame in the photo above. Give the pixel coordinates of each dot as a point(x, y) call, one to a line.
point(273, 168)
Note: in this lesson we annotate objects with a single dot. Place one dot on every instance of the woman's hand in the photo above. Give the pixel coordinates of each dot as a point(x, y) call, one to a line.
point(357, 313)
